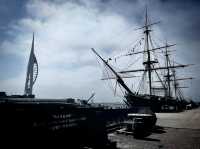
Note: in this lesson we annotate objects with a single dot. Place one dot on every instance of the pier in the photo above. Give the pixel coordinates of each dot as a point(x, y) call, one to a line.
point(173, 131)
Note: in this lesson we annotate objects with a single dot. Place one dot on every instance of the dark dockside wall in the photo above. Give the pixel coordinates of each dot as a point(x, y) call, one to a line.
point(65, 125)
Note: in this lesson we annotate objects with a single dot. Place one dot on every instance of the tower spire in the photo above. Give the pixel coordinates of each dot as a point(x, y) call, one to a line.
point(146, 16)
point(32, 71)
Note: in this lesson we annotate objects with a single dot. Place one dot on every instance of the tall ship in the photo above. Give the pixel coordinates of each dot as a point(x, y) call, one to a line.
point(157, 82)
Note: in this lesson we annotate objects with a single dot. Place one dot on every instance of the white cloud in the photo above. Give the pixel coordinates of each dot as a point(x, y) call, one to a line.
point(64, 34)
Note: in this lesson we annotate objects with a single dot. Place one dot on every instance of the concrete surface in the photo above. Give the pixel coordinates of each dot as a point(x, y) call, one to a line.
point(173, 131)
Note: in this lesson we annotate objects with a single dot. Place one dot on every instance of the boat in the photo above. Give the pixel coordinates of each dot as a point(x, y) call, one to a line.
point(158, 87)
point(144, 105)
point(147, 116)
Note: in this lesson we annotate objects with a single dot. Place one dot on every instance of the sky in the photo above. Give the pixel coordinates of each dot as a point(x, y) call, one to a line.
point(66, 30)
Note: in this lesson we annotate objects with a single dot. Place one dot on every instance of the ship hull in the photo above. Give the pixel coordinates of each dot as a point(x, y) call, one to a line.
point(152, 102)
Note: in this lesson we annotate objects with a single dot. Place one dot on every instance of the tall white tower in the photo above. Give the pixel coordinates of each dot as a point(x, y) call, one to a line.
point(32, 72)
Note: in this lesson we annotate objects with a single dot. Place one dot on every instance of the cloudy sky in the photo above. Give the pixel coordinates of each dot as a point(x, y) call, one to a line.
point(66, 30)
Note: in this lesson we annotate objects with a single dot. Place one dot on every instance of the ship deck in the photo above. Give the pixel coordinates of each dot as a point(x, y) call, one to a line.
point(173, 131)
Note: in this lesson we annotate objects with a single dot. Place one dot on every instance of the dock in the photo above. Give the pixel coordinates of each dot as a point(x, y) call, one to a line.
point(173, 131)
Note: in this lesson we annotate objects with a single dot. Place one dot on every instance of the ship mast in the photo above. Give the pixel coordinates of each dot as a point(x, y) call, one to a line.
point(177, 88)
point(168, 76)
point(175, 83)
point(32, 71)
point(148, 62)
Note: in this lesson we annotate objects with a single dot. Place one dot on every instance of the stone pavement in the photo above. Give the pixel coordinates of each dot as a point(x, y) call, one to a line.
point(174, 131)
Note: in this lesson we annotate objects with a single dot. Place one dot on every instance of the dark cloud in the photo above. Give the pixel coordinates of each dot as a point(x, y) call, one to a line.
point(10, 11)
point(179, 24)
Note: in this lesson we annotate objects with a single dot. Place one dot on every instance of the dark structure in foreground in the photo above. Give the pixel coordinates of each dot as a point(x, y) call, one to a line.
point(56, 122)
